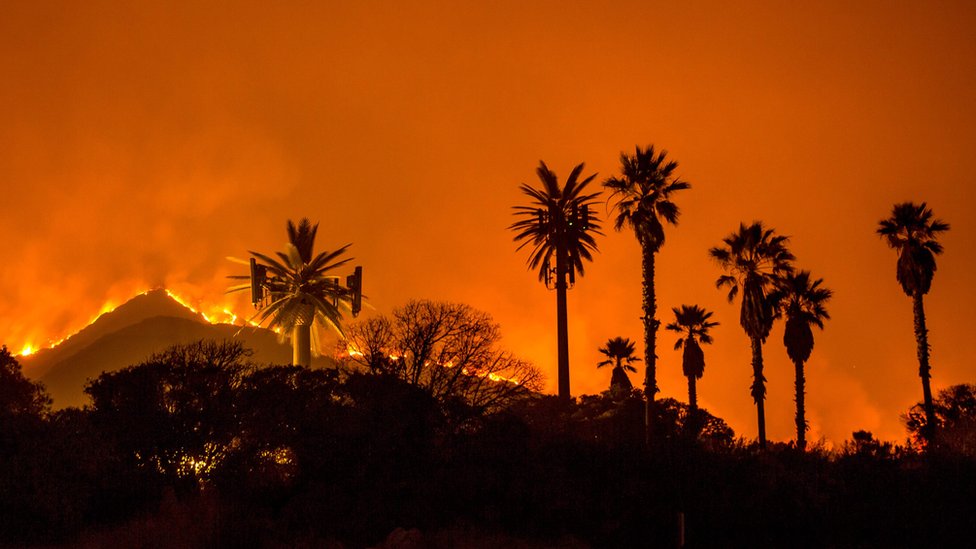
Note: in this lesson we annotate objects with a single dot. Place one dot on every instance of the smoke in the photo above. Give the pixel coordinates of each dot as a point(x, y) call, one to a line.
point(142, 145)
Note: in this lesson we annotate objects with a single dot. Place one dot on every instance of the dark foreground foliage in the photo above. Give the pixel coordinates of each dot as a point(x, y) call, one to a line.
point(198, 448)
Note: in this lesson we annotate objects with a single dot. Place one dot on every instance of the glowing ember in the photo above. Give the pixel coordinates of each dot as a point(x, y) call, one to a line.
point(231, 316)
point(490, 375)
point(496, 377)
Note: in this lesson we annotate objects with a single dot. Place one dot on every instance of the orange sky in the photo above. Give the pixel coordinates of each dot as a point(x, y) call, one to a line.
point(141, 146)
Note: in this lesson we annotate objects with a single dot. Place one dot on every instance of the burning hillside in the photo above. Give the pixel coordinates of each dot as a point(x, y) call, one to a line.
point(142, 304)
point(124, 335)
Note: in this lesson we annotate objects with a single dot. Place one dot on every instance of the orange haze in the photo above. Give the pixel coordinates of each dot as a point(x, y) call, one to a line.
point(142, 143)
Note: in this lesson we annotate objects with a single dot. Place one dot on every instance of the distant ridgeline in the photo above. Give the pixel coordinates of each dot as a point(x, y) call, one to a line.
point(145, 324)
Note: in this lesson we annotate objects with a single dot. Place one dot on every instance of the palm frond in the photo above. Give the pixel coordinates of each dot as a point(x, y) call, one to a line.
point(912, 232)
point(546, 228)
point(297, 283)
point(642, 194)
point(754, 258)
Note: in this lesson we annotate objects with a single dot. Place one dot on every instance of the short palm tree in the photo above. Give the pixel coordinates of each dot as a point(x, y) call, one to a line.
point(620, 354)
point(299, 291)
point(804, 306)
point(560, 227)
point(912, 232)
point(644, 203)
point(754, 258)
point(692, 322)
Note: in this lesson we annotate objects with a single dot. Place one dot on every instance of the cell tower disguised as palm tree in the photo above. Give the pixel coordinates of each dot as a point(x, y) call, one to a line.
point(754, 259)
point(620, 354)
point(804, 306)
point(294, 291)
point(560, 226)
point(644, 203)
point(912, 232)
point(692, 322)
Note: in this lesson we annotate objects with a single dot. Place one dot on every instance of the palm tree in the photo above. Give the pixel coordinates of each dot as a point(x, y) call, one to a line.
point(559, 226)
point(692, 322)
point(912, 232)
point(643, 191)
point(754, 258)
point(804, 305)
point(620, 353)
point(299, 291)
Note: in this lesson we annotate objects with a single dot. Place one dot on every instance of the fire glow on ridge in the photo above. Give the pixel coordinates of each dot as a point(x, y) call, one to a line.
point(211, 314)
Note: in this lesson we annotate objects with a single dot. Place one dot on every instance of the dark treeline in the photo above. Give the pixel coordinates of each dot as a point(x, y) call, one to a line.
point(198, 447)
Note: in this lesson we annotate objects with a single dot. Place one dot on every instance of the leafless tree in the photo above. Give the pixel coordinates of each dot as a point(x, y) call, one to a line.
point(449, 349)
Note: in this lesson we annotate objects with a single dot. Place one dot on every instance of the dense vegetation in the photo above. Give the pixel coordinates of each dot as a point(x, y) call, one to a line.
point(430, 435)
point(198, 447)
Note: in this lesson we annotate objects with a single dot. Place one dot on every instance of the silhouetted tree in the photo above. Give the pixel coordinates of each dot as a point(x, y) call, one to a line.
point(299, 289)
point(284, 412)
point(369, 341)
point(59, 475)
point(620, 354)
point(955, 416)
point(19, 396)
point(644, 203)
point(616, 422)
point(754, 258)
point(692, 322)
point(864, 446)
point(912, 232)
point(24, 405)
point(176, 413)
point(682, 421)
point(559, 226)
point(804, 306)
point(448, 349)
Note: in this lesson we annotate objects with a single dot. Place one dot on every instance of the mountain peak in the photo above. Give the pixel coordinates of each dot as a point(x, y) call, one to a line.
point(146, 305)
point(154, 303)
point(131, 332)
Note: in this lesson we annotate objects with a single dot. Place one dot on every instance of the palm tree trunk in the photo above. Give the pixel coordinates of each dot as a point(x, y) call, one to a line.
point(650, 341)
point(801, 420)
point(922, 342)
point(562, 327)
point(693, 422)
point(759, 389)
point(301, 345)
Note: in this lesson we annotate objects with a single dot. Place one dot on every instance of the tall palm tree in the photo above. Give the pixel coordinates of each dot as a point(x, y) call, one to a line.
point(912, 232)
point(754, 258)
point(299, 291)
point(559, 226)
point(620, 353)
point(692, 322)
point(804, 306)
point(643, 192)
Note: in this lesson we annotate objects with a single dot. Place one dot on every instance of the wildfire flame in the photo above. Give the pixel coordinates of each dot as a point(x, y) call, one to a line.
point(223, 314)
point(491, 376)
point(353, 352)
point(213, 314)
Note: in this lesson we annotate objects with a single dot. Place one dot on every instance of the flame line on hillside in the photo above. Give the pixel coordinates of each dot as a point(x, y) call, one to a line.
point(216, 315)
point(354, 353)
